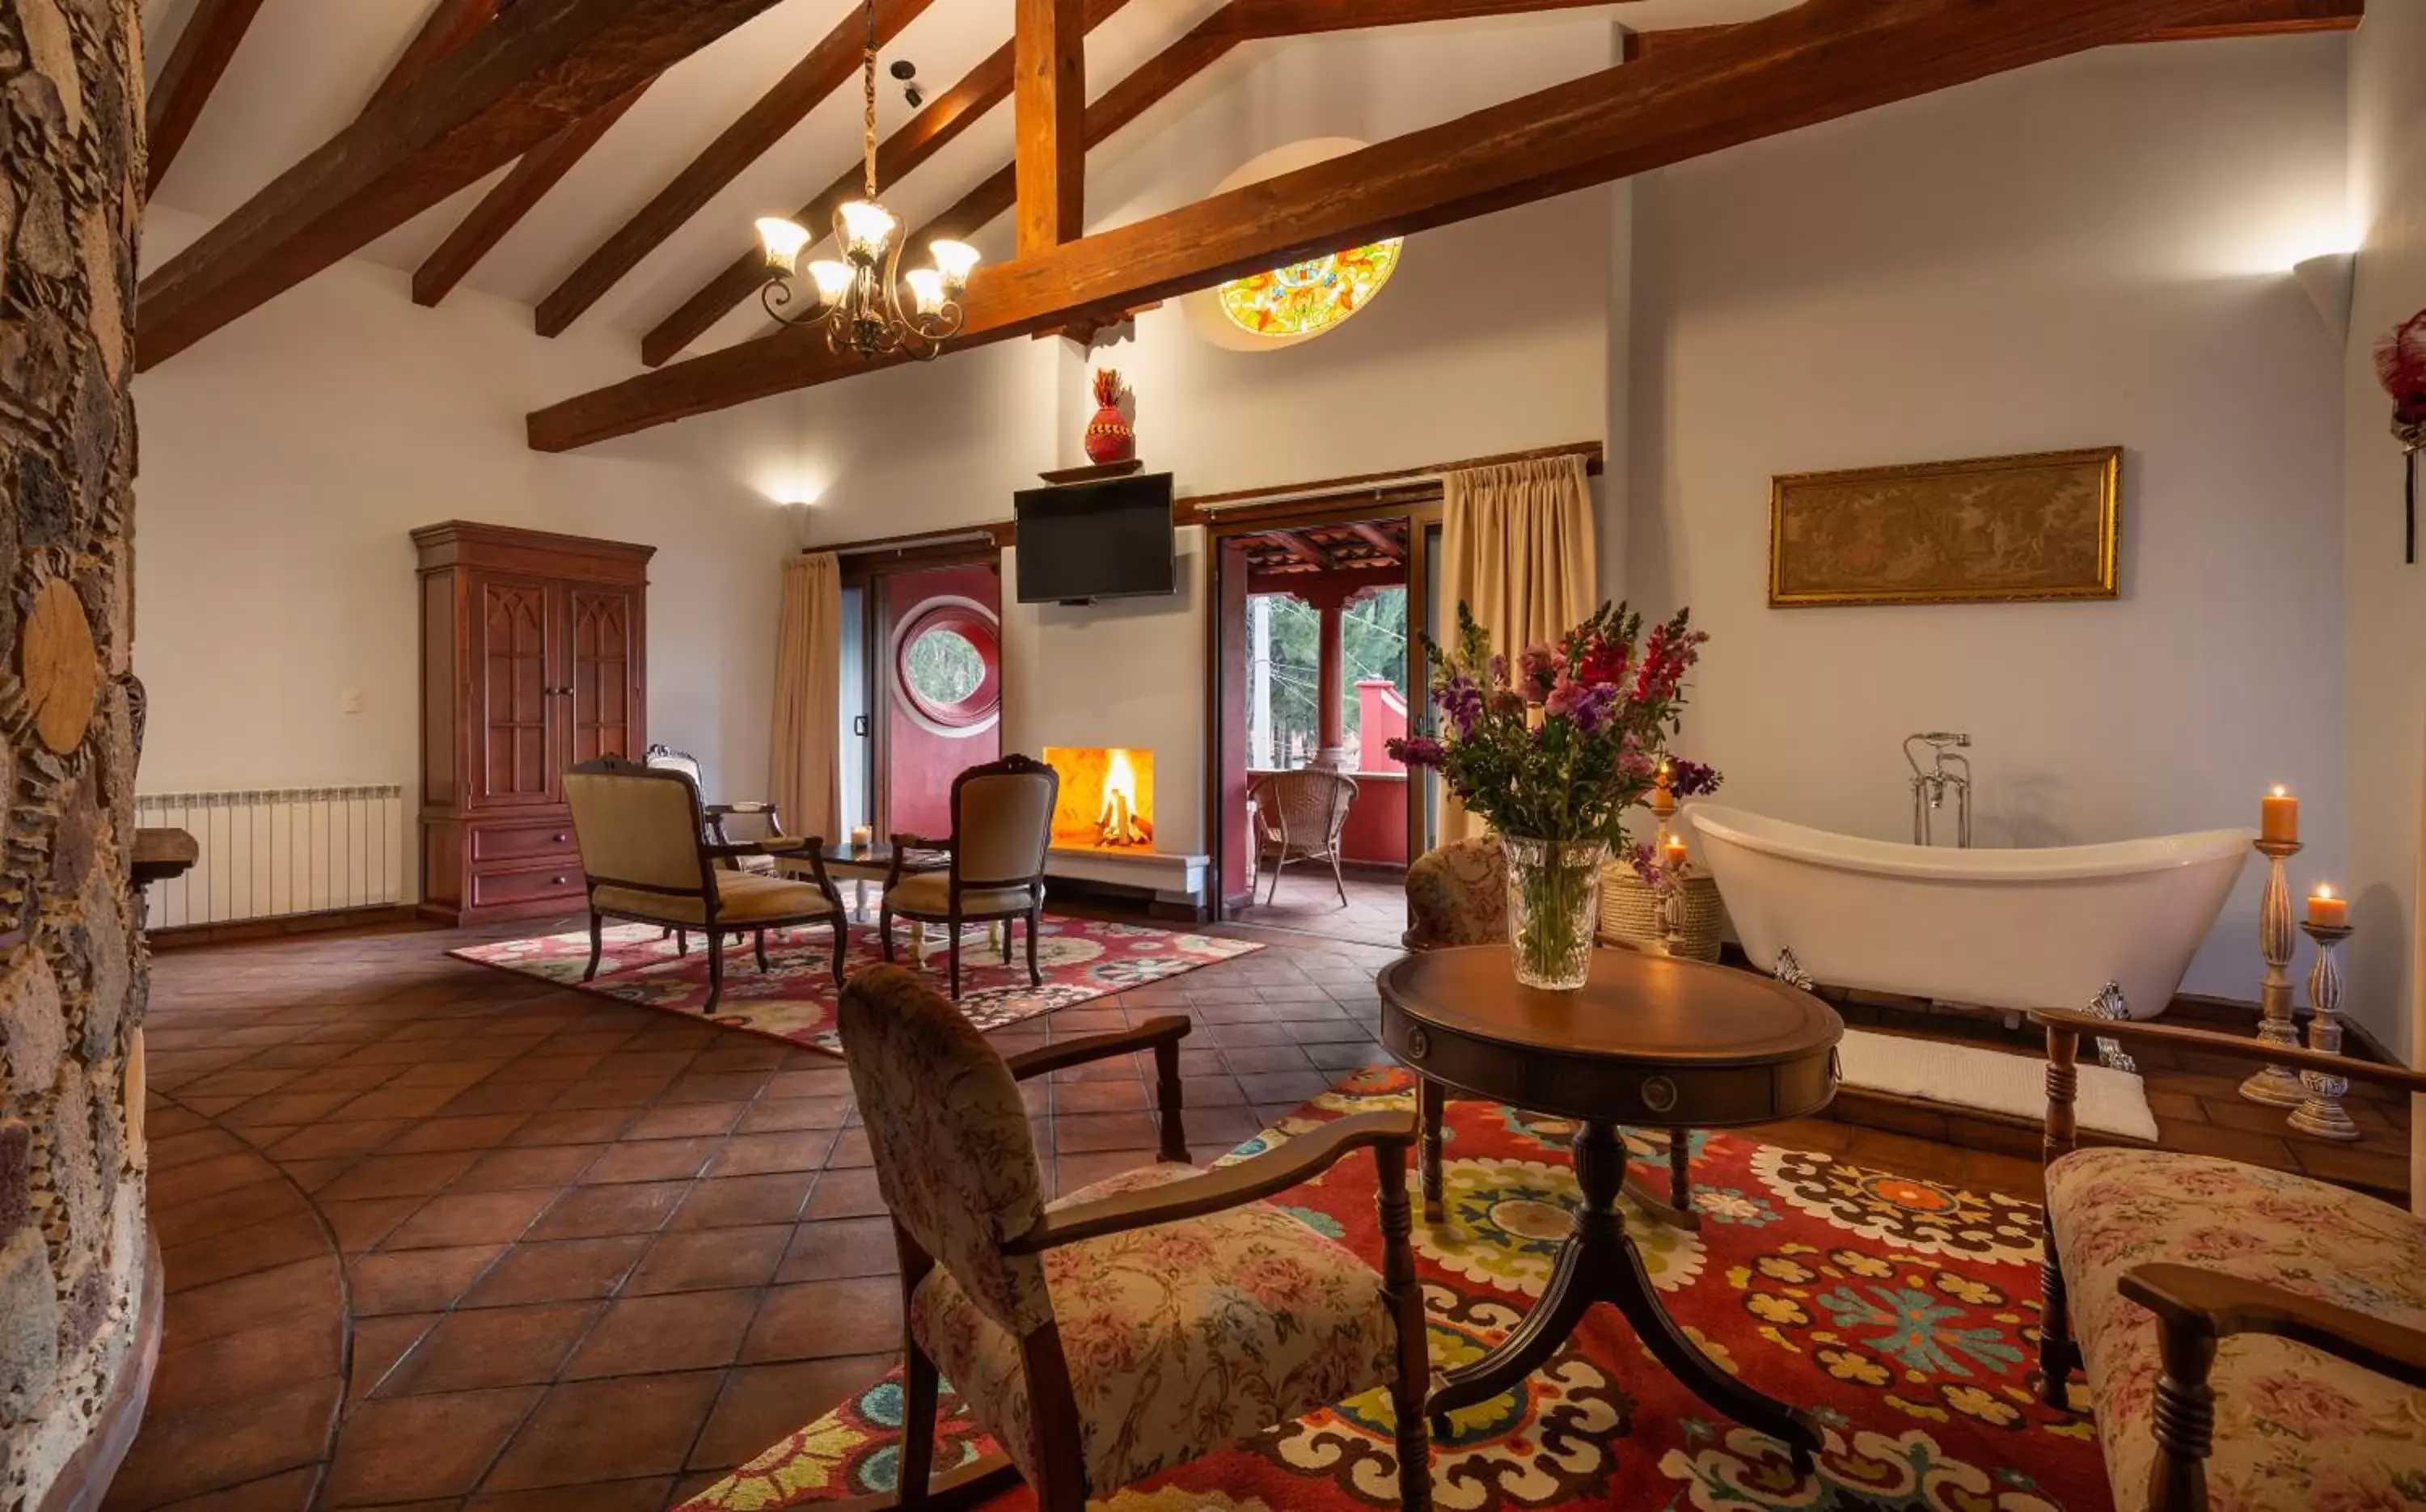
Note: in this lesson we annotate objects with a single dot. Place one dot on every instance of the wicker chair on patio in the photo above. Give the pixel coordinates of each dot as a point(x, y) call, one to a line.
point(1300, 815)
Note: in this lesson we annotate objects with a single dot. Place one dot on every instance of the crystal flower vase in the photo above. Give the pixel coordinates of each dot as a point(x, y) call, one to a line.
point(1553, 905)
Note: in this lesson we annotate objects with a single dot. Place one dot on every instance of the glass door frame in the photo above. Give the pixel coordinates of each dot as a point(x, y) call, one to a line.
point(1417, 503)
point(872, 572)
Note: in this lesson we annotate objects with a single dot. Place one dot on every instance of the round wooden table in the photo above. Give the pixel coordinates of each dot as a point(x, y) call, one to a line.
point(1650, 1041)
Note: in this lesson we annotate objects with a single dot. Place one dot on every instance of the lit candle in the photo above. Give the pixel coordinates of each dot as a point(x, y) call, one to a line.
point(1674, 854)
point(2327, 911)
point(863, 835)
point(2279, 817)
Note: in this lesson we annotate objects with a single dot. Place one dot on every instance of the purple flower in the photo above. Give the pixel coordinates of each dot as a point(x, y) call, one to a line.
point(1461, 702)
point(1593, 707)
point(1499, 672)
point(1645, 862)
point(1418, 750)
point(1509, 702)
point(1691, 780)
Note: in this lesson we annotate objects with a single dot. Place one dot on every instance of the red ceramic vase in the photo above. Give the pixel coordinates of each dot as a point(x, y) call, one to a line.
point(1109, 438)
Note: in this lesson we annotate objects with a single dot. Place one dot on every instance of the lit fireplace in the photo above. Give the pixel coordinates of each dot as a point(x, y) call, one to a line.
point(1106, 798)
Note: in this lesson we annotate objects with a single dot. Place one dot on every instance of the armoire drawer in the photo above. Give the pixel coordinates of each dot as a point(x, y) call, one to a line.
point(491, 890)
point(523, 842)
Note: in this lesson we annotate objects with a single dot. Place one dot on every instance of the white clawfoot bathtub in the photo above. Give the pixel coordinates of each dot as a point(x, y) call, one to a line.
point(2013, 930)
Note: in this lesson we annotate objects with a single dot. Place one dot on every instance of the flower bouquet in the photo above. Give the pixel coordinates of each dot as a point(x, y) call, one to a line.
point(1552, 753)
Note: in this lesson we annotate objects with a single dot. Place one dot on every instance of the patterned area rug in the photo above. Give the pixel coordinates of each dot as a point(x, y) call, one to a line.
point(1905, 1313)
point(1082, 959)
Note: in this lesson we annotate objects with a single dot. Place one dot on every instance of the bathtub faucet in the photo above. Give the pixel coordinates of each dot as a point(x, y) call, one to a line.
point(1947, 772)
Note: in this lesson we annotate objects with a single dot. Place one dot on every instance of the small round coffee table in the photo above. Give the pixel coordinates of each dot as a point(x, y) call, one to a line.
point(1650, 1041)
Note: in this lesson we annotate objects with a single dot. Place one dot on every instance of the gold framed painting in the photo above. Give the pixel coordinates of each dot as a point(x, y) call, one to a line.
point(1992, 529)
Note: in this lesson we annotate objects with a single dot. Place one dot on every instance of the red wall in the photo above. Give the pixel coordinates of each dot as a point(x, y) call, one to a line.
point(1382, 718)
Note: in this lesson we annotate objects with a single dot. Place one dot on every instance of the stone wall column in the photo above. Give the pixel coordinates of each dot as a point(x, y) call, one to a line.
point(72, 1237)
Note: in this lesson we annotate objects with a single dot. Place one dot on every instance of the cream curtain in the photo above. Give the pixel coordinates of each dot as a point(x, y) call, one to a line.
point(1516, 550)
point(807, 722)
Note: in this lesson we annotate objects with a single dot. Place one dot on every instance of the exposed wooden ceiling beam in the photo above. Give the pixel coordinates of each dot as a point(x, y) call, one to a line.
point(516, 195)
point(927, 133)
point(2266, 18)
point(539, 68)
point(200, 56)
point(1314, 556)
point(1819, 62)
point(1382, 540)
point(833, 61)
point(449, 25)
point(2249, 18)
point(1049, 101)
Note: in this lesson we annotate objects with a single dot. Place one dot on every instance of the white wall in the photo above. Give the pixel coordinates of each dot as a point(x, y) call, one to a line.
point(2087, 254)
point(2386, 606)
point(1448, 363)
point(285, 458)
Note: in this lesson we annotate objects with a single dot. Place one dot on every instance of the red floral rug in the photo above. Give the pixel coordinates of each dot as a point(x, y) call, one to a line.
point(1903, 1312)
point(794, 1000)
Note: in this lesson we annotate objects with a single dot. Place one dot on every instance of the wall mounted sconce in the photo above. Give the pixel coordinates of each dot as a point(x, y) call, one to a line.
point(2329, 281)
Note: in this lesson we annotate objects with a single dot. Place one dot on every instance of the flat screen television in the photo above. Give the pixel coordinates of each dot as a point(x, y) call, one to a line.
point(1110, 539)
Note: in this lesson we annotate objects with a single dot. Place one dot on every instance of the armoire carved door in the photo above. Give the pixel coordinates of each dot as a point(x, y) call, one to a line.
point(533, 660)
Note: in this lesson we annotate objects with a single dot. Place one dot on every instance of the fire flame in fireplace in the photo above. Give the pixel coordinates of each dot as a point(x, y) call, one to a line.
point(1107, 799)
point(1120, 823)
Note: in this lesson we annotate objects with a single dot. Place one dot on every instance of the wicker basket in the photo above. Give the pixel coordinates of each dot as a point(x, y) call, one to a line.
point(1629, 913)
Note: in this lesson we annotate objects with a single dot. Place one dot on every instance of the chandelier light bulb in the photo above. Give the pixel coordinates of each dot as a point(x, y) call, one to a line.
point(957, 260)
point(832, 279)
point(867, 231)
point(783, 242)
point(926, 289)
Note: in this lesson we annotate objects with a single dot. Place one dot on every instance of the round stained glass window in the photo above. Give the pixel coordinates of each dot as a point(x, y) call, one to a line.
point(942, 668)
point(1310, 297)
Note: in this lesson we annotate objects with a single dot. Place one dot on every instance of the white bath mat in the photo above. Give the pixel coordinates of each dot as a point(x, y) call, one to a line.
point(1974, 1077)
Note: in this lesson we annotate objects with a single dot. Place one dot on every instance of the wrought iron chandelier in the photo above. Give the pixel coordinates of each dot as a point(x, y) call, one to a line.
point(858, 299)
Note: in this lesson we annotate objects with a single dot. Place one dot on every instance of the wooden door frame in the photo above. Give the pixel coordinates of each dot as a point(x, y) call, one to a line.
point(873, 572)
point(1418, 503)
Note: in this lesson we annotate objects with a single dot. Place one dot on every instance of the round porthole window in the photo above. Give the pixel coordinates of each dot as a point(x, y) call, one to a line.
point(948, 667)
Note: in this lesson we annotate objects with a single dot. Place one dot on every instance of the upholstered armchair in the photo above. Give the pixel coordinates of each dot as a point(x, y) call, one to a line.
point(1301, 816)
point(645, 855)
point(2253, 1340)
point(1457, 894)
point(759, 821)
point(1133, 1325)
point(1002, 830)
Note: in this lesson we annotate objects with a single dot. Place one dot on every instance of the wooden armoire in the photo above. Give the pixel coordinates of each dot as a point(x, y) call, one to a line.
point(533, 659)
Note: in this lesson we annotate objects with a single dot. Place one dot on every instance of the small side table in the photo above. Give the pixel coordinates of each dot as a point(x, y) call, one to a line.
point(1651, 1041)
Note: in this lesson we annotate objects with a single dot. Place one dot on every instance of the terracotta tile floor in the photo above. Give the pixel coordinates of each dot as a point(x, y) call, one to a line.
point(1308, 903)
point(443, 1238)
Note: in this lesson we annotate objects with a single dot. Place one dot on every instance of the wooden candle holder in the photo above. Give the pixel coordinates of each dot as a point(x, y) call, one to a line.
point(2320, 1113)
point(2275, 1086)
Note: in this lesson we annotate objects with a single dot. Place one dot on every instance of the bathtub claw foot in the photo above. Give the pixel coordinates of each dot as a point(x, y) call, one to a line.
point(2109, 1004)
point(1790, 972)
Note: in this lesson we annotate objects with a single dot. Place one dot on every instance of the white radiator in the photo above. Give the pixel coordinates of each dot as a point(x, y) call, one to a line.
point(275, 852)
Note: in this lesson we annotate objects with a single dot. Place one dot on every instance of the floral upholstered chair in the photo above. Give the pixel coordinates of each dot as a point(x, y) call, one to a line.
point(2253, 1341)
point(1457, 894)
point(1133, 1325)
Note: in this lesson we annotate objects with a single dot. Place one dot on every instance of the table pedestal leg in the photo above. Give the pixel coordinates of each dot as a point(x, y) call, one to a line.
point(1599, 1263)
